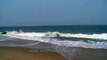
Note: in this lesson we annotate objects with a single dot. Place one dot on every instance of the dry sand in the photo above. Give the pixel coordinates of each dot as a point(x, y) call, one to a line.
point(15, 53)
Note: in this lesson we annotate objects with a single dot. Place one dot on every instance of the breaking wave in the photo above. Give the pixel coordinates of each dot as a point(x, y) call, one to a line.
point(71, 40)
point(102, 36)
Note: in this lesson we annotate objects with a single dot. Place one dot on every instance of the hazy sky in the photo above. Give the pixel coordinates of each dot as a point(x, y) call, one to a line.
point(53, 12)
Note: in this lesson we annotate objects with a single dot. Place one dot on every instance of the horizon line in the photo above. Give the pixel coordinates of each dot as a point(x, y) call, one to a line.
point(49, 25)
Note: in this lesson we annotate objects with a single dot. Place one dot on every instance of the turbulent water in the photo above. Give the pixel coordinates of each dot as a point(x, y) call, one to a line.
point(66, 40)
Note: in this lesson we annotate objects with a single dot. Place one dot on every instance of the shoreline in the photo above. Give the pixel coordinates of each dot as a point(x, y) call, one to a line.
point(18, 53)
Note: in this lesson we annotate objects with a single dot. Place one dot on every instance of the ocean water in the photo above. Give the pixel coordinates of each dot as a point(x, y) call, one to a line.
point(74, 42)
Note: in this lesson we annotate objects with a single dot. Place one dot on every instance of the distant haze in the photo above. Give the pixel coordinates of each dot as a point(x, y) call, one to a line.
point(53, 12)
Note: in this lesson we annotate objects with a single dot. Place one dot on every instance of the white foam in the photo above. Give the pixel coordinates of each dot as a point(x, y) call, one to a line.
point(55, 34)
point(91, 36)
point(46, 37)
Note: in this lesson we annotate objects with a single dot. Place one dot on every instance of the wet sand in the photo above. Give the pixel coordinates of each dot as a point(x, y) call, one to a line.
point(16, 53)
point(90, 54)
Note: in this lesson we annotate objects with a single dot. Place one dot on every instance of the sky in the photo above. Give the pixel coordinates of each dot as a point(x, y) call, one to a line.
point(53, 12)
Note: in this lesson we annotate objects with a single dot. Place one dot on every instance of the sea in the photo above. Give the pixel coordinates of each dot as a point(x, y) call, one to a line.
point(75, 42)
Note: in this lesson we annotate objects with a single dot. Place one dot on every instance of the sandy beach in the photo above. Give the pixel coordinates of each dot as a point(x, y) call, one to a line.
point(16, 53)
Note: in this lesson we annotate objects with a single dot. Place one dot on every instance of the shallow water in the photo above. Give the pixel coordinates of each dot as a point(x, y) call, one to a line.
point(72, 53)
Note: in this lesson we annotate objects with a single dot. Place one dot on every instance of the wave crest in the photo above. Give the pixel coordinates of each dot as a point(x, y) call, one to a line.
point(58, 34)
